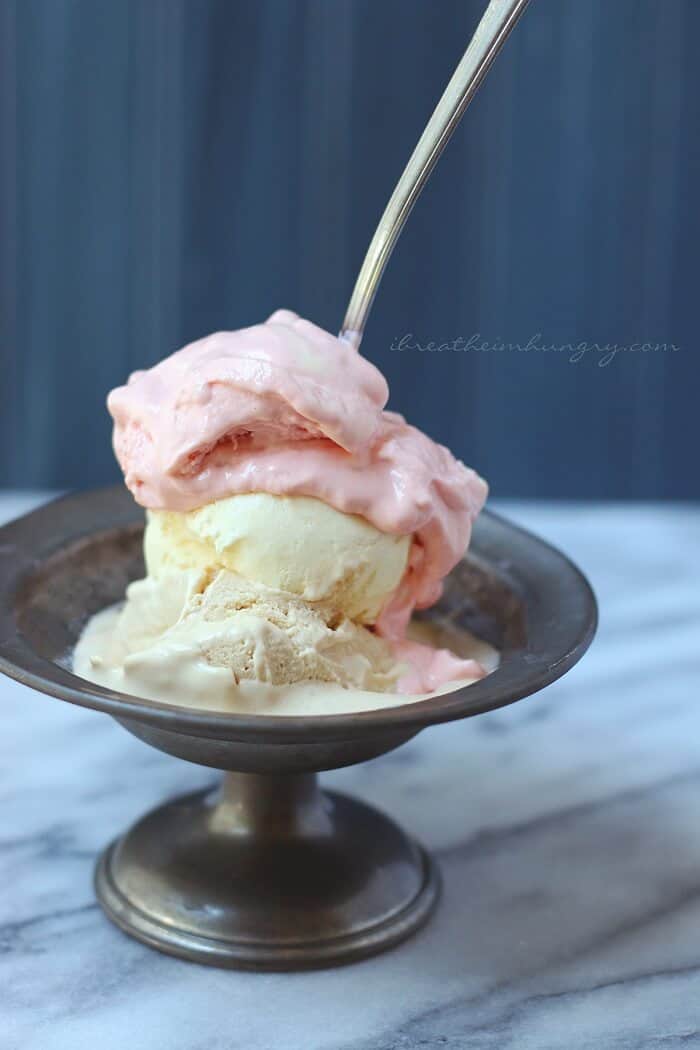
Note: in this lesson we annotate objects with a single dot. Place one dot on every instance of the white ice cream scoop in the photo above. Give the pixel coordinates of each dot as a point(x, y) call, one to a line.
point(295, 544)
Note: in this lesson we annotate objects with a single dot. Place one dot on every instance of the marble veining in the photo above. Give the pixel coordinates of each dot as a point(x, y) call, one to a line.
point(567, 827)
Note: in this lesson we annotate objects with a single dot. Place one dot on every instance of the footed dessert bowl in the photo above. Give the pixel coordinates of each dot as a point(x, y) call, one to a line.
point(266, 871)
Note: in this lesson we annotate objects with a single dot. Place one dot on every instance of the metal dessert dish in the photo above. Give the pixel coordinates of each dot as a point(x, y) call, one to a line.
point(267, 871)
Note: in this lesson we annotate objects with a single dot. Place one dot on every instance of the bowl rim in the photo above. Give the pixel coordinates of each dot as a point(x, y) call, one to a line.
point(560, 611)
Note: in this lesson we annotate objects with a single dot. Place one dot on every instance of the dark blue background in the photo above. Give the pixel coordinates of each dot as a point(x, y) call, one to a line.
point(171, 167)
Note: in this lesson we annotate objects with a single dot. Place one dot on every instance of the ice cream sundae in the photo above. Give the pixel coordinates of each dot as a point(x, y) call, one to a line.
point(293, 525)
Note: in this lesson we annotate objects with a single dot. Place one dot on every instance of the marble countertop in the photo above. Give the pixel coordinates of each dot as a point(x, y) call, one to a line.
point(567, 828)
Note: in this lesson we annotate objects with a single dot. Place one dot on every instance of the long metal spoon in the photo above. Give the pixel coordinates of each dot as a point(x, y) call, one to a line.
point(497, 21)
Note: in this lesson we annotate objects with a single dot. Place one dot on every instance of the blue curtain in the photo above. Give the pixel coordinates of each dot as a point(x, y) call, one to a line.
point(172, 167)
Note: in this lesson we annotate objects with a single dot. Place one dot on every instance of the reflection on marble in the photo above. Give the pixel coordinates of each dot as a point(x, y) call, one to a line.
point(567, 827)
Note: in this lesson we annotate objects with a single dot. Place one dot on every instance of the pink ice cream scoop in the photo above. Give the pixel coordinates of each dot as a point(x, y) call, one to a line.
point(287, 409)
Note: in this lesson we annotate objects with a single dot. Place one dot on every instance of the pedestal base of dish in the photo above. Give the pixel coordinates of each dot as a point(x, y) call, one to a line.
point(267, 873)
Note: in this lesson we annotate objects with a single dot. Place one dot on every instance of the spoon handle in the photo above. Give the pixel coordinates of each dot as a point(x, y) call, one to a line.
point(497, 21)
